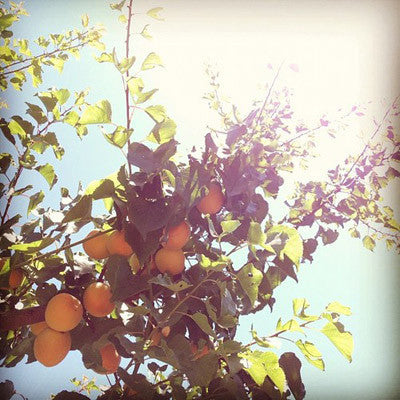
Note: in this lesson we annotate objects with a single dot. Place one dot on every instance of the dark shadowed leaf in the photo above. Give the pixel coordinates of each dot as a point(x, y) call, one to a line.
point(291, 365)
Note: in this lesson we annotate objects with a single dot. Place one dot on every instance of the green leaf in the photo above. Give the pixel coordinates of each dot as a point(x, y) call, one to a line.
point(81, 210)
point(62, 95)
point(105, 57)
point(85, 20)
point(33, 247)
point(148, 215)
point(152, 60)
point(123, 283)
point(202, 321)
point(36, 113)
point(117, 6)
point(163, 132)
point(292, 325)
point(369, 243)
point(100, 189)
point(294, 245)
point(20, 127)
point(263, 364)
point(291, 365)
point(145, 33)
point(153, 13)
point(230, 226)
point(135, 86)
point(255, 235)
point(250, 278)
point(71, 118)
point(338, 308)
point(142, 97)
point(7, 20)
point(100, 113)
point(119, 137)
point(157, 113)
point(299, 307)
point(125, 64)
point(5, 161)
point(47, 171)
point(342, 340)
point(218, 265)
point(35, 200)
point(311, 353)
point(165, 280)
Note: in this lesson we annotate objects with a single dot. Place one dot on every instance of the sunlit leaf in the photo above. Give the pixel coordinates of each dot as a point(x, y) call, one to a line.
point(250, 278)
point(100, 113)
point(342, 340)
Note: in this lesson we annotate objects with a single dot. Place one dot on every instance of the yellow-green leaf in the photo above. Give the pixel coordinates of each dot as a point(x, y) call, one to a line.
point(342, 340)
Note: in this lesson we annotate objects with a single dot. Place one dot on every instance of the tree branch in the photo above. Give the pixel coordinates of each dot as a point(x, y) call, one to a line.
point(62, 248)
point(14, 319)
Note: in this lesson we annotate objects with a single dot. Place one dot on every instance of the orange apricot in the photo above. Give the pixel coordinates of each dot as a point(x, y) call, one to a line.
point(213, 201)
point(116, 244)
point(96, 247)
point(38, 327)
point(170, 261)
point(16, 278)
point(110, 359)
point(63, 312)
point(178, 236)
point(51, 347)
point(134, 263)
point(166, 331)
point(96, 299)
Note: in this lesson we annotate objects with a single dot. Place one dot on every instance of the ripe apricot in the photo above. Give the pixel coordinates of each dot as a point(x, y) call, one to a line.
point(50, 347)
point(199, 353)
point(134, 263)
point(178, 236)
point(96, 299)
point(16, 278)
point(38, 327)
point(110, 359)
point(63, 312)
point(116, 244)
point(96, 247)
point(166, 331)
point(213, 201)
point(170, 261)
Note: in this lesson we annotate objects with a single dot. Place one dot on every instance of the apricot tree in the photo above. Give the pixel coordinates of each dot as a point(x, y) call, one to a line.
point(187, 246)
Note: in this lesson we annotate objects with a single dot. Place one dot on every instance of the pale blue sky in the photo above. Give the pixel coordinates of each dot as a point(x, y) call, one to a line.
point(242, 40)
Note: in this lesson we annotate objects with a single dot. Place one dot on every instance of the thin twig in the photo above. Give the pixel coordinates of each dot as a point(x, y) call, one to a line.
point(269, 93)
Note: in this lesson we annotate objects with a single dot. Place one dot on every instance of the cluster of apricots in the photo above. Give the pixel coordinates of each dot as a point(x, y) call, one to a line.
point(170, 257)
point(63, 313)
